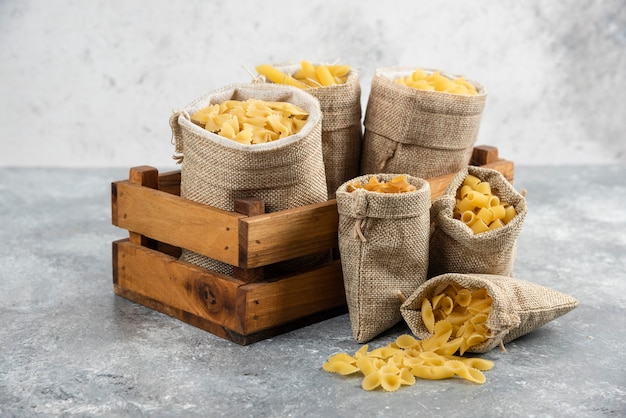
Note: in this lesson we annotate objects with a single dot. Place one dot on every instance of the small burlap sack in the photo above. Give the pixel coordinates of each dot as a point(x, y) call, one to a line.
point(285, 173)
point(422, 133)
point(518, 306)
point(342, 132)
point(454, 248)
point(383, 243)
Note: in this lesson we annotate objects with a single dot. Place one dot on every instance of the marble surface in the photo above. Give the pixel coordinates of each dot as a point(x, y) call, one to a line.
point(70, 347)
point(89, 83)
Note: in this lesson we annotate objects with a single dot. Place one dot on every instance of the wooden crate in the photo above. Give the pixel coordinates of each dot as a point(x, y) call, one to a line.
point(246, 306)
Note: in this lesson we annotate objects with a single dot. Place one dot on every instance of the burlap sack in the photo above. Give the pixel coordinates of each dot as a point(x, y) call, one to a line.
point(422, 133)
point(518, 306)
point(215, 171)
point(383, 243)
point(342, 132)
point(454, 248)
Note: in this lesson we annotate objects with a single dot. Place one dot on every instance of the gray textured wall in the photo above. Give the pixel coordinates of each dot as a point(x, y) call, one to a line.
point(93, 83)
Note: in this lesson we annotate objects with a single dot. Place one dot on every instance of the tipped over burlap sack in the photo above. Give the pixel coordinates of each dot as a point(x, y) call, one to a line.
point(383, 243)
point(454, 248)
point(342, 132)
point(422, 133)
point(285, 173)
point(518, 306)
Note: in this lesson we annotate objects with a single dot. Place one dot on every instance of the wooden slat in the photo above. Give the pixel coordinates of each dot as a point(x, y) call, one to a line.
point(145, 176)
point(176, 221)
point(250, 207)
point(274, 303)
point(169, 182)
point(288, 234)
point(176, 288)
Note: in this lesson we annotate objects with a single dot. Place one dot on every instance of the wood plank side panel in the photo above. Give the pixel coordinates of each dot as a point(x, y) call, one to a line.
point(288, 234)
point(273, 303)
point(177, 221)
point(186, 290)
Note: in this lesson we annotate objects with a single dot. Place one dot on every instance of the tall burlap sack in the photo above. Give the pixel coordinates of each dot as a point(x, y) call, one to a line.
point(383, 243)
point(454, 248)
point(285, 173)
point(518, 306)
point(342, 132)
point(422, 133)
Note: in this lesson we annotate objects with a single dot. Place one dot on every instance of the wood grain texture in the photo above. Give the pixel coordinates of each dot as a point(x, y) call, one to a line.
point(300, 295)
point(288, 234)
point(177, 221)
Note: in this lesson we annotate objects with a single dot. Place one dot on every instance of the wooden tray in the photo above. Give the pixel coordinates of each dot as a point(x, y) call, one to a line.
point(246, 306)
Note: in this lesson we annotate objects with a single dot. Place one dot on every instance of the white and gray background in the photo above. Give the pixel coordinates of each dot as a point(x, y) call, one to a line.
point(93, 83)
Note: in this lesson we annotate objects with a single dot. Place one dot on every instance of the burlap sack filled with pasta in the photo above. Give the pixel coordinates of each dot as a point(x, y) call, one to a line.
point(341, 127)
point(518, 306)
point(422, 133)
point(285, 173)
point(383, 243)
point(454, 248)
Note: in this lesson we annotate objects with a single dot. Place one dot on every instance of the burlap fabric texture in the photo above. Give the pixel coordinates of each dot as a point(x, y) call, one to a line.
point(286, 173)
point(422, 133)
point(383, 243)
point(454, 248)
point(342, 132)
point(518, 306)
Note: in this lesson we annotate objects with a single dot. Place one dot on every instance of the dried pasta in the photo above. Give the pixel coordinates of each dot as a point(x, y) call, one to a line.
point(467, 318)
point(252, 121)
point(307, 76)
point(398, 184)
point(435, 81)
point(400, 362)
point(479, 209)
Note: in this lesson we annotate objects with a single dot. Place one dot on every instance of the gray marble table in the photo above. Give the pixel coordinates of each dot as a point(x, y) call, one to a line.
point(70, 347)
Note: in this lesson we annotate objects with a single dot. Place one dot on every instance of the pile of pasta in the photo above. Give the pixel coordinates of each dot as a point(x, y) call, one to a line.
point(478, 208)
point(400, 362)
point(398, 184)
point(307, 76)
point(252, 121)
point(456, 317)
point(465, 310)
point(421, 80)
